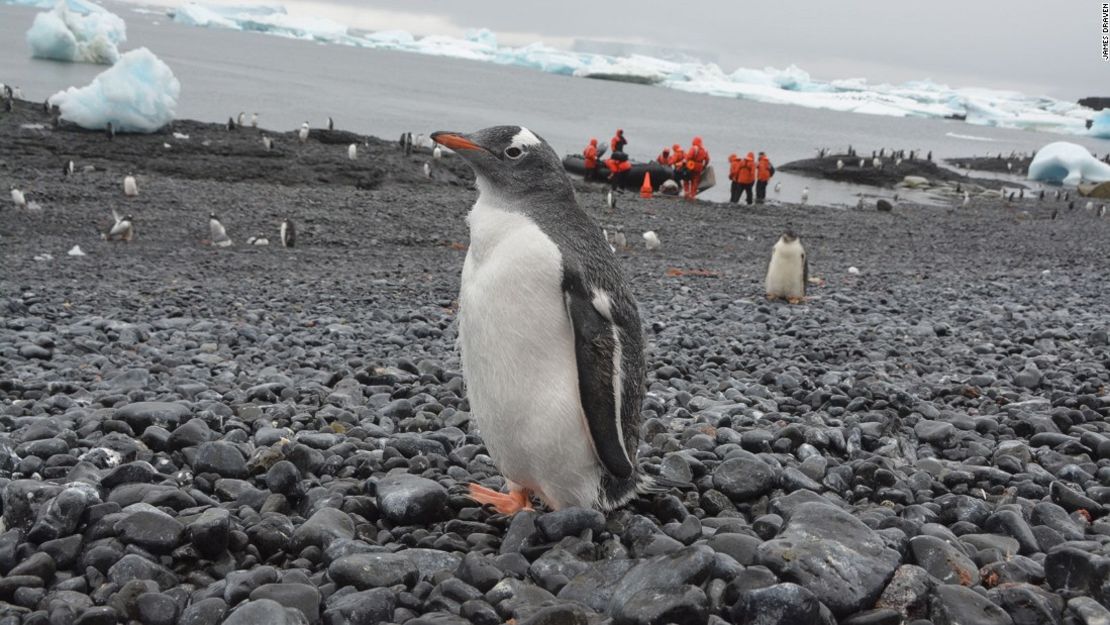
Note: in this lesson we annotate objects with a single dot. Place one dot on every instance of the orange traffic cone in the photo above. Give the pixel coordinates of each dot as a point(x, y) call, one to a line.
point(645, 189)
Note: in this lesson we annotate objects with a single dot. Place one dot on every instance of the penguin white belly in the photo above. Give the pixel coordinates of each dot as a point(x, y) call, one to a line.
point(786, 271)
point(519, 362)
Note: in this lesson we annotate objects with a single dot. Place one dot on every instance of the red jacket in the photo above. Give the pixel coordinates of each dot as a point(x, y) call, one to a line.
point(746, 172)
point(590, 153)
point(765, 170)
point(697, 158)
point(678, 159)
point(616, 166)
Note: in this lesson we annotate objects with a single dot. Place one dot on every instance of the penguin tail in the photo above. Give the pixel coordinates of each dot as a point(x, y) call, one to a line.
point(617, 492)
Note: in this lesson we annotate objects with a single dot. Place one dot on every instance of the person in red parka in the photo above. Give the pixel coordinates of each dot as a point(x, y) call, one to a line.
point(678, 163)
point(618, 169)
point(763, 170)
point(745, 175)
point(664, 157)
point(590, 154)
point(617, 143)
point(734, 185)
point(697, 158)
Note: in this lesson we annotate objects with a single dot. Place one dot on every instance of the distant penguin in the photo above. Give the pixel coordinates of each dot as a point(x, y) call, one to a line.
point(959, 188)
point(1040, 196)
point(1010, 198)
point(302, 134)
point(861, 163)
point(331, 124)
point(805, 194)
point(17, 93)
point(288, 233)
point(8, 106)
point(254, 120)
point(123, 229)
point(216, 229)
point(8, 93)
point(437, 153)
point(242, 119)
point(788, 271)
point(267, 143)
point(897, 162)
point(1055, 212)
point(258, 240)
point(1090, 206)
point(230, 124)
point(620, 240)
point(1009, 166)
point(352, 151)
point(851, 150)
point(778, 187)
point(1102, 210)
point(967, 198)
point(839, 164)
point(1021, 193)
point(611, 200)
point(110, 131)
point(876, 163)
point(1056, 194)
point(859, 202)
point(929, 156)
point(130, 187)
point(68, 169)
point(1071, 205)
point(1067, 195)
point(882, 152)
point(17, 197)
point(46, 106)
point(651, 240)
point(427, 170)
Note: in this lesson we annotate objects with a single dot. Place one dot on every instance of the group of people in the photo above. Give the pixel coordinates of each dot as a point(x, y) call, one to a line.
point(748, 172)
point(687, 165)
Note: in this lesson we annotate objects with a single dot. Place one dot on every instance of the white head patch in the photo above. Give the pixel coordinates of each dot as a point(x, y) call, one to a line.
point(525, 138)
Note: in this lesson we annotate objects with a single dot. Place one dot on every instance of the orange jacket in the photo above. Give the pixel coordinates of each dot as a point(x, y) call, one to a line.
point(765, 171)
point(616, 166)
point(678, 158)
point(697, 158)
point(746, 173)
point(590, 153)
point(664, 157)
point(617, 143)
point(733, 167)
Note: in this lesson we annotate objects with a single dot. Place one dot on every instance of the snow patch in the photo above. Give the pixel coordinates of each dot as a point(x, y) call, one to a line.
point(1067, 163)
point(138, 94)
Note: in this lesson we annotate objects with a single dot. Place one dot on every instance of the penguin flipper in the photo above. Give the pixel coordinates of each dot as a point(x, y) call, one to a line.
point(805, 274)
point(597, 349)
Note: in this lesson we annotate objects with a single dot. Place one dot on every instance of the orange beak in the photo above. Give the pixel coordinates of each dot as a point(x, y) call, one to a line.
point(454, 141)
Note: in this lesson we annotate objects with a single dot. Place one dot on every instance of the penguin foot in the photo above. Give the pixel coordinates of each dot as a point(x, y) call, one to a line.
point(795, 300)
point(511, 503)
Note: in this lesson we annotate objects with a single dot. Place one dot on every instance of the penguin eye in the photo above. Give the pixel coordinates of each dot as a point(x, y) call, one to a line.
point(514, 152)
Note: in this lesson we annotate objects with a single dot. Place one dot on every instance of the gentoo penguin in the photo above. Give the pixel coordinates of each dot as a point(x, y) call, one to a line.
point(929, 156)
point(17, 197)
point(897, 162)
point(230, 124)
point(1067, 195)
point(788, 272)
point(437, 153)
point(288, 233)
point(651, 240)
point(861, 163)
point(967, 198)
point(805, 194)
point(1071, 205)
point(552, 350)
point(859, 203)
point(1009, 166)
point(122, 230)
point(352, 151)
point(1040, 196)
point(254, 120)
point(427, 170)
point(110, 131)
point(1090, 206)
point(68, 169)
point(882, 152)
point(1102, 210)
point(302, 134)
point(778, 187)
point(331, 124)
point(620, 240)
point(611, 200)
point(267, 143)
point(839, 164)
point(242, 119)
point(1056, 194)
point(258, 240)
point(219, 235)
point(130, 187)
point(876, 163)
point(8, 93)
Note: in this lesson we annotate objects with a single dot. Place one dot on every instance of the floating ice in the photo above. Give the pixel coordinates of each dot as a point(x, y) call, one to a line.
point(792, 85)
point(138, 94)
point(1101, 125)
point(1067, 163)
point(77, 31)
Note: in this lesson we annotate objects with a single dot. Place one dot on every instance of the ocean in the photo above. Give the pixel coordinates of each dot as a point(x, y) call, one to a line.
point(383, 93)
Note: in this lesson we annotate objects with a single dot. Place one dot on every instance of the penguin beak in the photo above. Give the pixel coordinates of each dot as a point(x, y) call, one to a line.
point(455, 141)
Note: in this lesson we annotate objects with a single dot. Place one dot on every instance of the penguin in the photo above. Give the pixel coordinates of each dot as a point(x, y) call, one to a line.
point(302, 134)
point(68, 169)
point(427, 170)
point(230, 124)
point(788, 271)
point(258, 240)
point(8, 105)
point(18, 198)
point(805, 194)
point(1021, 193)
point(1040, 196)
point(778, 187)
point(552, 349)
point(352, 151)
point(219, 235)
point(929, 156)
point(959, 188)
point(651, 240)
point(254, 120)
point(967, 198)
point(619, 239)
point(859, 203)
point(8, 93)
point(331, 124)
point(17, 94)
point(1054, 213)
point(1090, 206)
point(1067, 195)
point(241, 120)
point(130, 187)
point(851, 150)
point(1102, 210)
point(1009, 166)
point(1071, 205)
point(267, 143)
point(437, 153)
point(839, 164)
point(876, 163)
point(46, 106)
point(123, 229)
point(861, 163)
point(1056, 194)
point(288, 233)
point(110, 131)
point(611, 200)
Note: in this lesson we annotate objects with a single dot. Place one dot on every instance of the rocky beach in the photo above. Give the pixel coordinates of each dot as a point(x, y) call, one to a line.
point(255, 434)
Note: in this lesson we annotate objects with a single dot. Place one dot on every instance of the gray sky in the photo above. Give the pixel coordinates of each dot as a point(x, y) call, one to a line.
point(1040, 48)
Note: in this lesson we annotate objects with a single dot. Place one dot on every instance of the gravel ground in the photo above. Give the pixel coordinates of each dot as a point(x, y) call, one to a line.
point(264, 435)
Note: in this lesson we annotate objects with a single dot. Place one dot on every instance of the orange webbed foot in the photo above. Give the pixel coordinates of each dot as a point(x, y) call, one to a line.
point(795, 300)
point(505, 503)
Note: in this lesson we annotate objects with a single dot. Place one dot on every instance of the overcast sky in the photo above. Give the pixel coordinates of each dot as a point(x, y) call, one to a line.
point(1040, 48)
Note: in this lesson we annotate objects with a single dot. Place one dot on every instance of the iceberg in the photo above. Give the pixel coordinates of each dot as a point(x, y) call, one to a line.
point(1067, 163)
point(1100, 126)
point(137, 94)
point(77, 31)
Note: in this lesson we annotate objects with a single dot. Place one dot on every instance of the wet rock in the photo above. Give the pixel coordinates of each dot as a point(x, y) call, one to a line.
point(409, 500)
point(373, 570)
point(958, 605)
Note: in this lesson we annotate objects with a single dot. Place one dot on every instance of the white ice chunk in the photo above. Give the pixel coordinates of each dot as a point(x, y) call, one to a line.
point(77, 31)
point(1067, 163)
point(76, 251)
point(1101, 125)
point(138, 94)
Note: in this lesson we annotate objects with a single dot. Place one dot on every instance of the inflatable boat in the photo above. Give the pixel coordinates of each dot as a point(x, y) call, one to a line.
point(576, 164)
